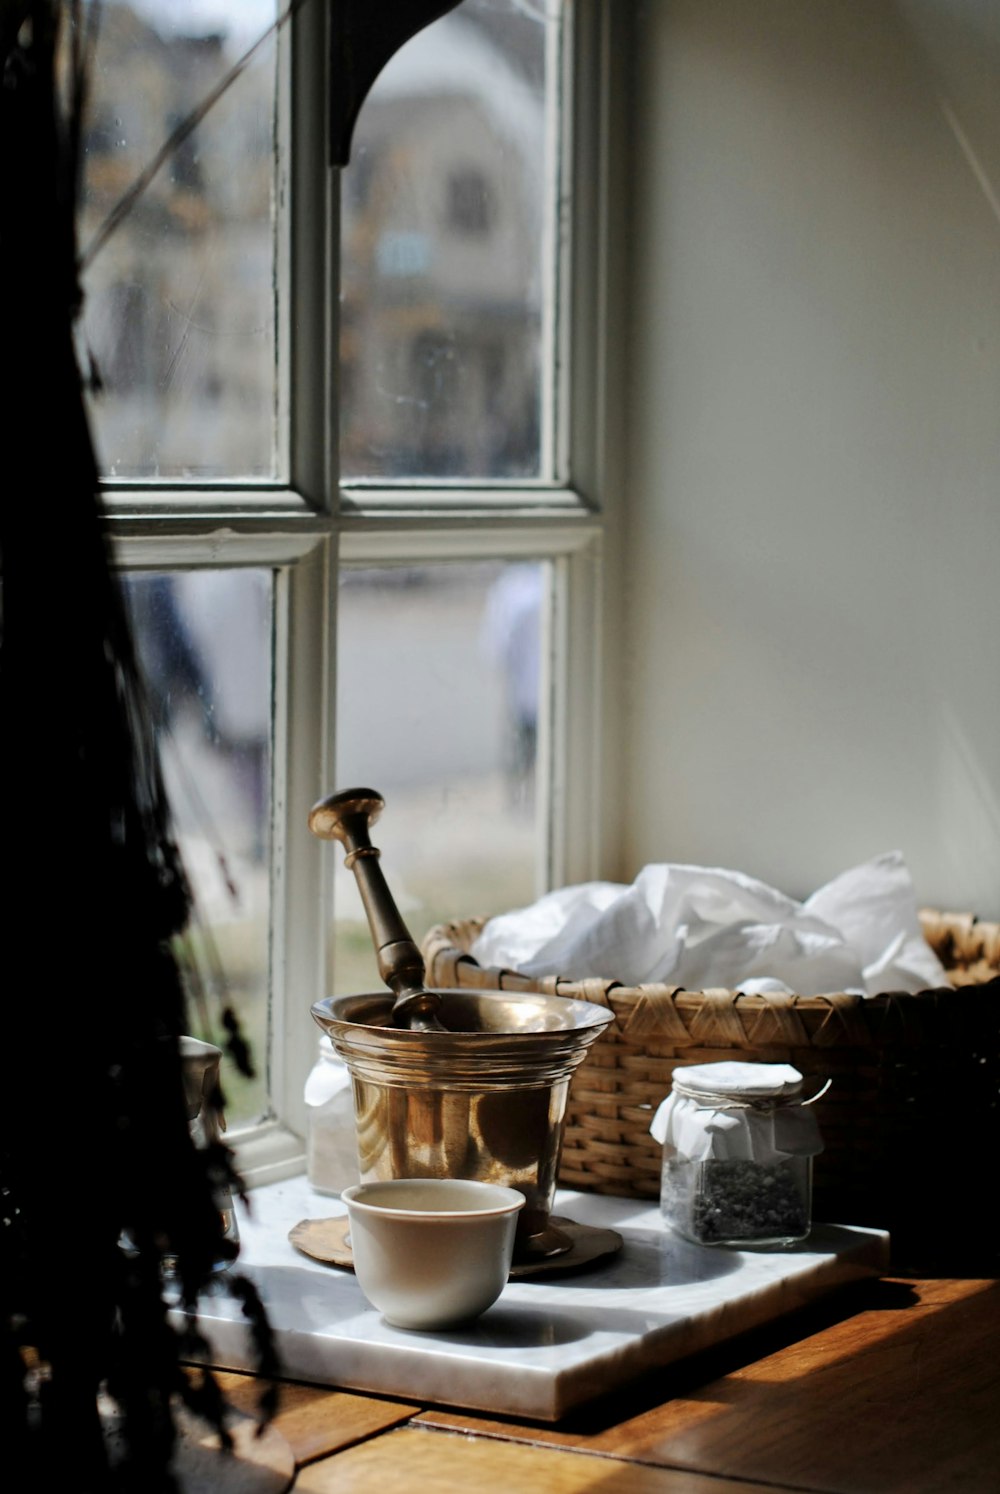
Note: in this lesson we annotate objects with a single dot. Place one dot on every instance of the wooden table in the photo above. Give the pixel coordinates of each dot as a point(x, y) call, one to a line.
point(885, 1386)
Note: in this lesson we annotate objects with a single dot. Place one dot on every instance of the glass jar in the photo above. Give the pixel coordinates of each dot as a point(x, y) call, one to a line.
point(331, 1135)
point(738, 1143)
point(200, 1063)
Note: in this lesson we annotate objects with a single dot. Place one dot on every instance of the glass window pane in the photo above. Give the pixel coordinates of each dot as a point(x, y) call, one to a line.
point(438, 696)
point(204, 640)
point(180, 300)
point(447, 255)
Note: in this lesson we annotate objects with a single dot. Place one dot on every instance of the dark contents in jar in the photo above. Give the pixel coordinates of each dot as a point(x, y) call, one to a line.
point(741, 1200)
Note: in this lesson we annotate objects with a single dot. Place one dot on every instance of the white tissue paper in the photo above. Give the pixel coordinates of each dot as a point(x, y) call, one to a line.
point(702, 927)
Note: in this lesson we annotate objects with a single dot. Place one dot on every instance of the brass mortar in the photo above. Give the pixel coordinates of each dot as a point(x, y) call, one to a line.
point(451, 1083)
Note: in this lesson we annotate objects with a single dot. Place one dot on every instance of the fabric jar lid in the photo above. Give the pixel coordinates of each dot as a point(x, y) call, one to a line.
point(737, 1110)
point(328, 1076)
point(739, 1080)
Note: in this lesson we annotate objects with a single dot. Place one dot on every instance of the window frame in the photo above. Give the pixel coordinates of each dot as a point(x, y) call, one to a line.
point(310, 525)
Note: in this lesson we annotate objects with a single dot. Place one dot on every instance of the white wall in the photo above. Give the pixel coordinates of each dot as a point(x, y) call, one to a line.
point(812, 532)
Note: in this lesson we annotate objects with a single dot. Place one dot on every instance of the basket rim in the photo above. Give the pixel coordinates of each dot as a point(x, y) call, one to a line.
point(951, 933)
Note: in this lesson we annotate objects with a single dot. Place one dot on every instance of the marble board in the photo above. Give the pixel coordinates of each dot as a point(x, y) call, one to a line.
point(547, 1345)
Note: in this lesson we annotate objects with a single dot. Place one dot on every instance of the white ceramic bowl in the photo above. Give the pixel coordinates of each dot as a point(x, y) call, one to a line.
point(432, 1252)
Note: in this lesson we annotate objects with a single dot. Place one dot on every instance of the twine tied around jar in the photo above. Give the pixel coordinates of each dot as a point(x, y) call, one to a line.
point(724, 1100)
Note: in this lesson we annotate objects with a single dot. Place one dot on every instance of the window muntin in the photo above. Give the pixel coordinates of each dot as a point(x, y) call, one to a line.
point(180, 312)
point(448, 258)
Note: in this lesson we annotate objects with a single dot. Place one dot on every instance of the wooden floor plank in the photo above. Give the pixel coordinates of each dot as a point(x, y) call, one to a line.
point(902, 1399)
point(315, 1421)
point(410, 1461)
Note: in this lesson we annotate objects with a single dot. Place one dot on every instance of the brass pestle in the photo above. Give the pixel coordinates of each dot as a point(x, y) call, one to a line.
point(348, 816)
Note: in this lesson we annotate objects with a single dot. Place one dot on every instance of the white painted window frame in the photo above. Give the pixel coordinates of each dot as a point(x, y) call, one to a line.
point(306, 527)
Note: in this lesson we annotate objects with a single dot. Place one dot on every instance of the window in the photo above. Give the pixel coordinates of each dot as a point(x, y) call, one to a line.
point(470, 203)
point(362, 555)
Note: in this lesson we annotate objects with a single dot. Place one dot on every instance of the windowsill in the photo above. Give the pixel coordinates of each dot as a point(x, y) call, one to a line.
point(268, 1154)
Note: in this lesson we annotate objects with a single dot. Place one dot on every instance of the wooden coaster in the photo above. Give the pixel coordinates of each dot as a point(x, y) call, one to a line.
point(327, 1240)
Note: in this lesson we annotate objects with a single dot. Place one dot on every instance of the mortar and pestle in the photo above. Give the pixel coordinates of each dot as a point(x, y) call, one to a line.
point(451, 1083)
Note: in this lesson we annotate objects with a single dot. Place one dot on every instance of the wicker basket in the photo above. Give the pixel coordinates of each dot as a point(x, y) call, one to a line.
point(897, 1062)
